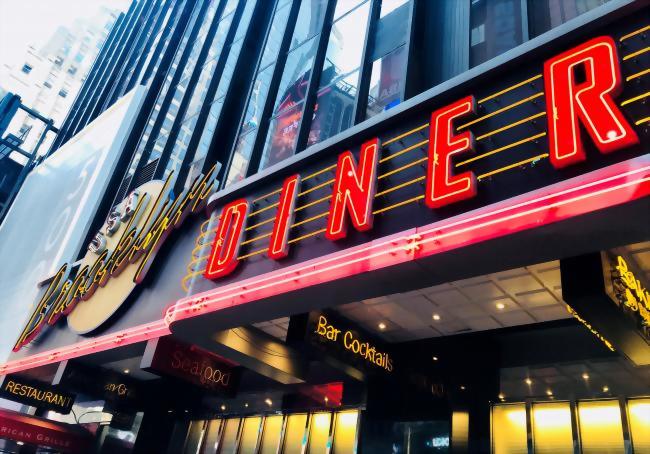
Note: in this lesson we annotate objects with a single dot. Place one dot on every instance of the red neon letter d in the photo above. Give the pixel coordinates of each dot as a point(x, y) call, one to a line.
point(223, 258)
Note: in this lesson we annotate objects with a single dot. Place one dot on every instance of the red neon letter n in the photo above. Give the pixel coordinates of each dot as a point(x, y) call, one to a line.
point(590, 102)
point(354, 191)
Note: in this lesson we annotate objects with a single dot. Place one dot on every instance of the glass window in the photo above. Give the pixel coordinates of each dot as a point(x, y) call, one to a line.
point(276, 32)
point(601, 430)
point(552, 433)
point(293, 85)
point(281, 137)
point(388, 6)
point(250, 432)
point(386, 82)
point(340, 75)
point(310, 21)
point(319, 429)
point(240, 158)
point(343, 6)
point(639, 410)
point(294, 438)
point(257, 98)
point(495, 27)
point(544, 15)
point(345, 432)
point(509, 433)
point(270, 443)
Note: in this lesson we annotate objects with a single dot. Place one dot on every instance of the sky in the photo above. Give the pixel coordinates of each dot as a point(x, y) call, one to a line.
point(25, 22)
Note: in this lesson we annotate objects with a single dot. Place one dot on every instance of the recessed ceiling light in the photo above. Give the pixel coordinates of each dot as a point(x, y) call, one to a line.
point(585, 376)
point(435, 358)
point(186, 411)
point(246, 405)
point(436, 317)
point(462, 387)
point(126, 371)
point(528, 381)
point(223, 408)
point(501, 306)
point(549, 392)
point(268, 401)
point(605, 389)
point(326, 399)
point(502, 396)
point(169, 411)
point(381, 326)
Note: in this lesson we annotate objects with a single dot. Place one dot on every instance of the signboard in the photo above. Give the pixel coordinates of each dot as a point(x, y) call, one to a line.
point(605, 296)
point(537, 126)
point(166, 356)
point(347, 343)
point(118, 258)
point(628, 289)
point(42, 432)
point(36, 394)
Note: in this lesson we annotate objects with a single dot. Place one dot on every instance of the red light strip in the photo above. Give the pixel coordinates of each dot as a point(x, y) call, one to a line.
point(128, 336)
point(607, 187)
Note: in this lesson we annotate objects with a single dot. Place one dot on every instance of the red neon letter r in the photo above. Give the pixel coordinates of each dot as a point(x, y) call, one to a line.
point(590, 102)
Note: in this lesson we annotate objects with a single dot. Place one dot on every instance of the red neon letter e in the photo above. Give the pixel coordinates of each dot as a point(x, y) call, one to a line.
point(278, 248)
point(354, 189)
point(223, 258)
point(443, 187)
point(590, 102)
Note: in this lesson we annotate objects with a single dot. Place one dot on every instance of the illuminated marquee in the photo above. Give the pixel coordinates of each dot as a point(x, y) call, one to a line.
point(571, 104)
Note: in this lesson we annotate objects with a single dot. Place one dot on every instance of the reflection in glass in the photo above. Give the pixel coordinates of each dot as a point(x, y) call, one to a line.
point(495, 28)
point(339, 78)
point(310, 21)
point(544, 15)
point(240, 158)
point(293, 85)
point(281, 137)
point(386, 82)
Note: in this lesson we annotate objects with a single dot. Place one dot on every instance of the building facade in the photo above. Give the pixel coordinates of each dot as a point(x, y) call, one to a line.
point(345, 226)
point(49, 77)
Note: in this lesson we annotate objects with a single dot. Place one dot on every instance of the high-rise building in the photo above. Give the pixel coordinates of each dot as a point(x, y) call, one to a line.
point(50, 76)
point(316, 226)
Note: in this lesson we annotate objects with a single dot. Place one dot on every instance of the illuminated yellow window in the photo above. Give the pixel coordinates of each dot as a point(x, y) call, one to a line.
point(271, 436)
point(319, 432)
point(229, 440)
point(552, 428)
point(509, 429)
point(211, 439)
point(250, 434)
point(295, 435)
point(345, 432)
point(601, 431)
point(639, 411)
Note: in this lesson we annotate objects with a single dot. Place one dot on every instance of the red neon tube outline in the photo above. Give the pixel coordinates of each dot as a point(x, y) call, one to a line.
point(601, 117)
point(354, 191)
point(279, 244)
point(444, 188)
point(225, 247)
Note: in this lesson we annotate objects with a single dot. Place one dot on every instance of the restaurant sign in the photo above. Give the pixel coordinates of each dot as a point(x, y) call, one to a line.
point(36, 394)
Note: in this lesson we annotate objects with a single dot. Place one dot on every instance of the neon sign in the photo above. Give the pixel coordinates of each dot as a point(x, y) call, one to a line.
point(145, 226)
point(570, 104)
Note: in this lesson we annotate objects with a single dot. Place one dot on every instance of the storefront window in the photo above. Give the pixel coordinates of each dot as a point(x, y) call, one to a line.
point(509, 434)
point(601, 429)
point(495, 27)
point(639, 411)
point(552, 427)
point(544, 15)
